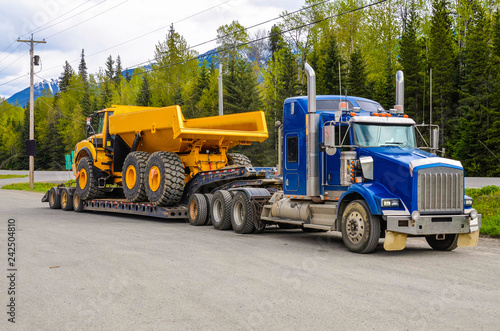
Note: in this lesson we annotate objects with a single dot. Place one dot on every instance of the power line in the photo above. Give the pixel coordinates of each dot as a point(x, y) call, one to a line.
point(39, 28)
point(55, 34)
point(14, 61)
point(10, 52)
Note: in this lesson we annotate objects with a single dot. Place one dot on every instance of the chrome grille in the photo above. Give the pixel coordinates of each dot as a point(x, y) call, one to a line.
point(440, 189)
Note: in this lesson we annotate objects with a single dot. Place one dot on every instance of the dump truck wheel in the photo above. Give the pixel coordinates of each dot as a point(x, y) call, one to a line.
point(66, 199)
point(242, 214)
point(360, 229)
point(238, 159)
point(54, 199)
point(448, 243)
point(197, 213)
point(86, 183)
point(209, 197)
point(77, 203)
point(221, 210)
point(134, 176)
point(165, 180)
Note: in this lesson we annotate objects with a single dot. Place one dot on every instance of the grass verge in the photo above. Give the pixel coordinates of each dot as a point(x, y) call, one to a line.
point(38, 187)
point(487, 203)
point(12, 176)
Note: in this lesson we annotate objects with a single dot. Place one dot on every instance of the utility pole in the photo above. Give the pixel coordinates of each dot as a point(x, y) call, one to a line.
point(221, 105)
point(31, 142)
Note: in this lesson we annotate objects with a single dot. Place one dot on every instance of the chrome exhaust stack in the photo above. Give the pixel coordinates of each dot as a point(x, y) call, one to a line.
point(312, 136)
point(400, 92)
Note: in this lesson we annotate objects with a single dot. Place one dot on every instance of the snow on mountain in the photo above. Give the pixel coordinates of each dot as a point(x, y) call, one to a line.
point(22, 97)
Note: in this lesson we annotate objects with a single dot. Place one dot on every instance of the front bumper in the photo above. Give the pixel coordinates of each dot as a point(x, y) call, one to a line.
point(433, 224)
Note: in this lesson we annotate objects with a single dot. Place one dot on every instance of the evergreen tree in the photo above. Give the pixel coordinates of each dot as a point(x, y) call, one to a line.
point(411, 60)
point(442, 60)
point(65, 77)
point(127, 75)
point(118, 71)
point(110, 70)
point(328, 68)
point(144, 96)
point(82, 68)
point(356, 79)
point(276, 42)
point(240, 85)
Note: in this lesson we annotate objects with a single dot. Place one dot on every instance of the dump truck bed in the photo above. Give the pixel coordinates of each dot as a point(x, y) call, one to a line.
point(166, 129)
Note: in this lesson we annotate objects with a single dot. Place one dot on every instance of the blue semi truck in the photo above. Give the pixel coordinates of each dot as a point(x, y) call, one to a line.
point(345, 164)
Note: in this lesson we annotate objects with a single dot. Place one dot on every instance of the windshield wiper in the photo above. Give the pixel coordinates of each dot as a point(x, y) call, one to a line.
point(389, 143)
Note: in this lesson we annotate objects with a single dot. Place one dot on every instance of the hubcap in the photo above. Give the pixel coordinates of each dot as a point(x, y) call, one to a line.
point(355, 227)
point(238, 213)
point(218, 211)
point(131, 177)
point(82, 179)
point(64, 199)
point(154, 178)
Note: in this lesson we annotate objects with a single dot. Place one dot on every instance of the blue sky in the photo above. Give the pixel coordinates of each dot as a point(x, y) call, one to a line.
point(98, 25)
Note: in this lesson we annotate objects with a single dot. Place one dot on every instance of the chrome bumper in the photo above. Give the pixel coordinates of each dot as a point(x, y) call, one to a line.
point(433, 224)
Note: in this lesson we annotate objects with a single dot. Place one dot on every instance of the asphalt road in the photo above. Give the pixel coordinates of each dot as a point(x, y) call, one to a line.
point(105, 271)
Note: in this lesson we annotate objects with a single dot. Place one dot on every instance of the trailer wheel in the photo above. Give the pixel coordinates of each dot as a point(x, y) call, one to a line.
point(54, 199)
point(86, 183)
point(242, 214)
point(133, 176)
point(77, 203)
point(360, 229)
point(197, 206)
point(447, 243)
point(66, 199)
point(209, 197)
point(221, 210)
point(238, 159)
point(165, 178)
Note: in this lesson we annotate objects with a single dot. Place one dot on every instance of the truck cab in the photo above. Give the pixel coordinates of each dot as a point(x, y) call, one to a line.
point(349, 158)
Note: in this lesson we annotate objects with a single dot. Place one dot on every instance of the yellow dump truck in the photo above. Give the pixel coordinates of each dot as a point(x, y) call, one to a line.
point(153, 152)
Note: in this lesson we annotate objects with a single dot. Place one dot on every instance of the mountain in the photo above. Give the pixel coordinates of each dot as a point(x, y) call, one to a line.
point(23, 97)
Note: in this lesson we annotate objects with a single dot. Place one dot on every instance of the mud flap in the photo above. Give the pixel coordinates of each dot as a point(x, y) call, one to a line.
point(468, 239)
point(394, 241)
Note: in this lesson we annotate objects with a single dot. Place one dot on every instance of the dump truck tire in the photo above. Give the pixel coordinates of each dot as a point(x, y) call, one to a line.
point(165, 181)
point(221, 210)
point(86, 183)
point(54, 199)
point(134, 176)
point(449, 242)
point(66, 199)
point(77, 203)
point(238, 159)
point(242, 214)
point(209, 197)
point(360, 229)
point(197, 213)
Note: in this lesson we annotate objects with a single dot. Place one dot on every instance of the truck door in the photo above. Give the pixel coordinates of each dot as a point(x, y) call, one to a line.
point(291, 180)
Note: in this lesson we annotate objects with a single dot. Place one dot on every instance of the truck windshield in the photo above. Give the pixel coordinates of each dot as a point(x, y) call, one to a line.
point(376, 135)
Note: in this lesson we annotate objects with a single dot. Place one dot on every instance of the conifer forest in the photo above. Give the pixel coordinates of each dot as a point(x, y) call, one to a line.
point(459, 40)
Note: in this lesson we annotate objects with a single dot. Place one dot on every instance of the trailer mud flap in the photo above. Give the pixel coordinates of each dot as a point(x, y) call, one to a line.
point(468, 239)
point(394, 241)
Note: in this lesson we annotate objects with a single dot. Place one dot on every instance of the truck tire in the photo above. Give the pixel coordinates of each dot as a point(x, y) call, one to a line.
point(165, 181)
point(360, 229)
point(66, 199)
point(242, 214)
point(197, 206)
point(77, 203)
point(448, 243)
point(221, 210)
point(54, 199)
point(238, 159)
point(134, 175)
point(209, 197)
point(86, 183)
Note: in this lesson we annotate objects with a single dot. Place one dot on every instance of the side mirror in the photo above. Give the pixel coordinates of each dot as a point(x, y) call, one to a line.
point(329, 139)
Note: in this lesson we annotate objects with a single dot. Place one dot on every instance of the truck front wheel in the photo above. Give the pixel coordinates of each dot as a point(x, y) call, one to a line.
point(360, 229)
point(443, 242)
point(86, 183)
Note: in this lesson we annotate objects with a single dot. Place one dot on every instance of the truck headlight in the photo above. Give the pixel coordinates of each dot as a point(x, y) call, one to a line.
point(390, 203)
point(468, 202)
point(415, 215)
point(473, 214)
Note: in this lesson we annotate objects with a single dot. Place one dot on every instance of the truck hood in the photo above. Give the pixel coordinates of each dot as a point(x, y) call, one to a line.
point(394, 167)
